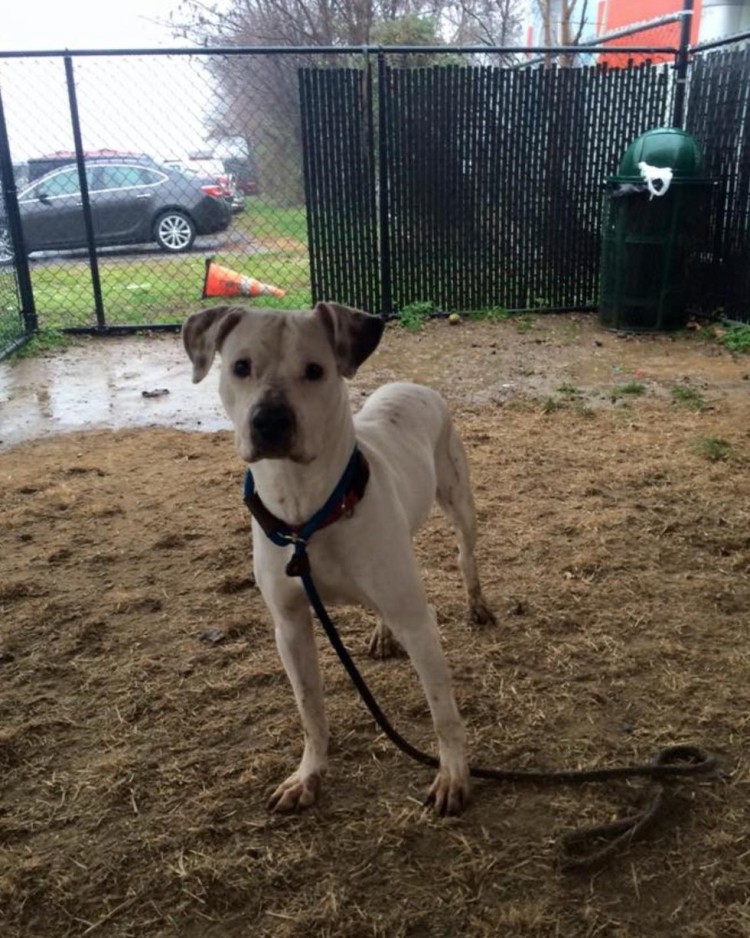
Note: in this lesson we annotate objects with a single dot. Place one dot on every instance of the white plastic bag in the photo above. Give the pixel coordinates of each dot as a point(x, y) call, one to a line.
point(655, 174)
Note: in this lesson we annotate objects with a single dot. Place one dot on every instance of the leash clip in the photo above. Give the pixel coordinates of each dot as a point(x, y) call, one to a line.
point(299, 563)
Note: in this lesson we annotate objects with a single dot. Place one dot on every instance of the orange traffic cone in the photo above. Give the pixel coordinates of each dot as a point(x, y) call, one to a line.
point(221, 281)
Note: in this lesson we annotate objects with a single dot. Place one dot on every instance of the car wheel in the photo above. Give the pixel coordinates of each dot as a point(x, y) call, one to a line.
point(174, 231)
point(6, 247)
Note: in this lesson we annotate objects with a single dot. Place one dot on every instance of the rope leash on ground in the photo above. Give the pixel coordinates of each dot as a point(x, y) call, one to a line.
point(581, 849)
point(578, 852)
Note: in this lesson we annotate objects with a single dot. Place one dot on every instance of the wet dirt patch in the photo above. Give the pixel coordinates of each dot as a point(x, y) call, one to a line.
point(136, 753)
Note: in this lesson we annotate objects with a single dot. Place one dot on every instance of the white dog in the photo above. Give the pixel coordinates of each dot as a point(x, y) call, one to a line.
point(283, 389)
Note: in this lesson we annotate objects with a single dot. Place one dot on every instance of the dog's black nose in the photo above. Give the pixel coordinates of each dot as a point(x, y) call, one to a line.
point(272, 425)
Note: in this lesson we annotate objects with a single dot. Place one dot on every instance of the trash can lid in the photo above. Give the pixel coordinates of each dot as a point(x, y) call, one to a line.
point(663, 147)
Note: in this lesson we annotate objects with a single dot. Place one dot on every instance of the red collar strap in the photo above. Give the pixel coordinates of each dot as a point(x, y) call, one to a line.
point(342, 502)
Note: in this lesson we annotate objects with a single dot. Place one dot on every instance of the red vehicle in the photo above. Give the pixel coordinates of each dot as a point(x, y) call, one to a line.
point(213, 169)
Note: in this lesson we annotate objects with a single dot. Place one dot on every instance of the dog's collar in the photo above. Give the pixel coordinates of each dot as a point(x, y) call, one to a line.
point(342, 501)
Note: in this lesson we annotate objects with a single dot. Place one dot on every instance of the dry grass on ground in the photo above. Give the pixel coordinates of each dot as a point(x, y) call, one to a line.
point(615, 544)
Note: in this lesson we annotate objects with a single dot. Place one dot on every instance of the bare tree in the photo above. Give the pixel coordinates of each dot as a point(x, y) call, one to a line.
point(298, 22)
point(485, 22)
point(563, 23)
point(258, 98)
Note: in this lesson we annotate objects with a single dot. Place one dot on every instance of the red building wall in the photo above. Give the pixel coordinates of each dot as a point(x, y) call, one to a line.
point(616, 14)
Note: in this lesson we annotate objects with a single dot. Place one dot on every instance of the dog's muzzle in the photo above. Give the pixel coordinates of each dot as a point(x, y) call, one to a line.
point(272, 428)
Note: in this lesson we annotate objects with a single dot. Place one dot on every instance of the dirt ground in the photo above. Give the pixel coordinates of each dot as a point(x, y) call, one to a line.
point(612, 479)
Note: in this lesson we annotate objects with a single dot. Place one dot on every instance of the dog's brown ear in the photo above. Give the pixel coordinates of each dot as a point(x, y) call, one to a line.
point(354, 334)
point(203, 334)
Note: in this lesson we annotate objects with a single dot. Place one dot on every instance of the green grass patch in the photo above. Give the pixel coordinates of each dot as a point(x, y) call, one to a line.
point(688, 397)
point(264, 221)
point(570, 392)
point(713, 448)
point(522, 320)
point(629, 390)
point(413, 316)
point(42, 342)
point(551, 404)
point(11, 328)
point(489, 314)
point(523, 324)
point(156, 290)
point(570, 399)
point(736, 339)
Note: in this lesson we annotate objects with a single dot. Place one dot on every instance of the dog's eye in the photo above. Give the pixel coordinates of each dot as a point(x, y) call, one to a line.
point(313, 372)
point(242, 368)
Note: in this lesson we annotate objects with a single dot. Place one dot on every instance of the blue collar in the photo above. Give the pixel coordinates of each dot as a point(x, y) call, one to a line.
point(342, 500)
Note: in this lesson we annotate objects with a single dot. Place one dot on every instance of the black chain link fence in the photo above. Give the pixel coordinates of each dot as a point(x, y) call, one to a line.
point(12, 326)
point(168, 174)
point(129, 170)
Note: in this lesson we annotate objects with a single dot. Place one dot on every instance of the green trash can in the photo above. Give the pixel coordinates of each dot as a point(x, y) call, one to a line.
point(651, 243)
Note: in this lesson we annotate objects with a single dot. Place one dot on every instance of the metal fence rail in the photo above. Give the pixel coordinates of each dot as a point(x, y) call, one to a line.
point(378, 177)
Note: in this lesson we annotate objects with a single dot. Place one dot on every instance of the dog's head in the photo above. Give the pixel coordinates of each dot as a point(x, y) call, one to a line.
point(281, 372)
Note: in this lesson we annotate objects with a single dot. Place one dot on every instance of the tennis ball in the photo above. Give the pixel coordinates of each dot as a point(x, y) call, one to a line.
point(454, 319)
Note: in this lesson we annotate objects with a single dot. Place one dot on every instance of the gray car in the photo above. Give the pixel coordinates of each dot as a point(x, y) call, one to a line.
point(131, 203)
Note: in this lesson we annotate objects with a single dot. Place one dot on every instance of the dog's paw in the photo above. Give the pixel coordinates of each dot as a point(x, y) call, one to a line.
point(449, 793)
point(383, 645)
point(295, 793)
point(480, 614)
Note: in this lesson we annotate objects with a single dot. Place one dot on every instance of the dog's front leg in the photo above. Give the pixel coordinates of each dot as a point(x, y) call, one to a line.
point(296, 644)
point(414, 625)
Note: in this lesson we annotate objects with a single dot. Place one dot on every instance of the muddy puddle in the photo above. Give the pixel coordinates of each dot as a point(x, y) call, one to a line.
point(138, 381)
point(115, 383)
